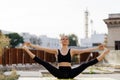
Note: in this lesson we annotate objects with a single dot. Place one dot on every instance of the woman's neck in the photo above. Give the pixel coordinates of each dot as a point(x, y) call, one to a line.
point(64, 47)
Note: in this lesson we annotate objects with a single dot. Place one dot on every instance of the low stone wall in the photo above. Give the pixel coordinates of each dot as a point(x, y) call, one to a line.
point(113, 58)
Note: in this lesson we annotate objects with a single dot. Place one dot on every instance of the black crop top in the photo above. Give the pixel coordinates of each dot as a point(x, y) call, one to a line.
point(64, 58)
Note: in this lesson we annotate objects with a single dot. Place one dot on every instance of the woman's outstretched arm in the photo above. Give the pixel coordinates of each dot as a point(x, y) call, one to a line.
point(77, 51)
point(49, 50)
point(103, 54)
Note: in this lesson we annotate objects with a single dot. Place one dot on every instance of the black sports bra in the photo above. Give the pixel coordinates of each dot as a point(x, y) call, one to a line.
point(64, 58)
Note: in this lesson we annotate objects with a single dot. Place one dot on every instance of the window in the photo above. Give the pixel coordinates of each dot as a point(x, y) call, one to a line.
point(117, 45)
point(95, 44)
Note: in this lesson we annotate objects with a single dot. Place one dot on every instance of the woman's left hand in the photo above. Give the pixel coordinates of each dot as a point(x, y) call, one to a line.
point(101, 47)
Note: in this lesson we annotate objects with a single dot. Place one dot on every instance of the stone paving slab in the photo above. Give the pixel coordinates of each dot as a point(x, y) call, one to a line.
point(51, 78)
point(26, 73)
point(30, 74)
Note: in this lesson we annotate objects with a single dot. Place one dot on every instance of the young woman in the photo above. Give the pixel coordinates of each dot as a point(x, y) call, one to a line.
point(64, 55)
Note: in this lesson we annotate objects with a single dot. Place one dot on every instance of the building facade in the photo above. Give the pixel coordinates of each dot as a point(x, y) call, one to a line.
point(41, 40)
point(49, 42)
point(113, 24)
point(94, 40)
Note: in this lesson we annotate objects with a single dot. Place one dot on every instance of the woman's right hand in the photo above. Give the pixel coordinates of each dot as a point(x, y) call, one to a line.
point(25, 48)
point(27, 44)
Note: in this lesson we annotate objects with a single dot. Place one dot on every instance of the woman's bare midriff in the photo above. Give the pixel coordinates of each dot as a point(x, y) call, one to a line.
point(64, 64)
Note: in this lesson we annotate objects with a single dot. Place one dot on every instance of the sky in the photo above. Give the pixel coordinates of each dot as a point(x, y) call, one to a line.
point(54, 17)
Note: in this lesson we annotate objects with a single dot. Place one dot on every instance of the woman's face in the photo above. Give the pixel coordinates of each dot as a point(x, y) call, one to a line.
point(64, 40)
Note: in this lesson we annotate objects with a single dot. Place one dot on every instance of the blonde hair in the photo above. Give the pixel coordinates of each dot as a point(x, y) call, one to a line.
point(63, 35)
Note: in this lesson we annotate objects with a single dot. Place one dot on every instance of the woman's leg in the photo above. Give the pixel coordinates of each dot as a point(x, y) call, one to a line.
point(76, 71)
point(53, 70)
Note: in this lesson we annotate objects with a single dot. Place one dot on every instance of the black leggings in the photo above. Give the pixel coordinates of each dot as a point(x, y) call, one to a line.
point(65, 72)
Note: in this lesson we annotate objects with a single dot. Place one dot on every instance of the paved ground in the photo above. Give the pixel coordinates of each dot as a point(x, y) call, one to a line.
point(35, 72)
point(37, 75)
point(112, 76)
point(80, 77)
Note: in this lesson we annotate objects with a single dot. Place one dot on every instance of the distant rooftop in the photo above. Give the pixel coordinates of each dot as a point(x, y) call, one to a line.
point(114, 15)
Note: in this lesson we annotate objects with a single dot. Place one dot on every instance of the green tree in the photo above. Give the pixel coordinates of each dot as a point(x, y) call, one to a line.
point(73, 40)
point(16, 39)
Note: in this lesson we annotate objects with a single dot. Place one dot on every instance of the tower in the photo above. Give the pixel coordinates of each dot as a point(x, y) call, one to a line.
point(113, 24)
point(86, 24)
